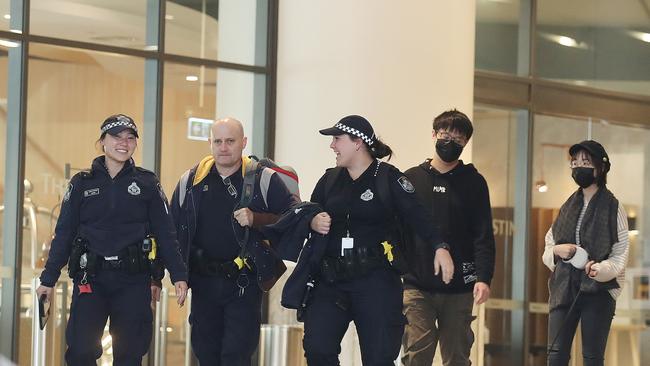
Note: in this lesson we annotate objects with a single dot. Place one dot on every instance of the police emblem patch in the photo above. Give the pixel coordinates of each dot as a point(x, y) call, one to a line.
point(367, 195)
point(406, 184)
point(134, 189)
point(68, 192)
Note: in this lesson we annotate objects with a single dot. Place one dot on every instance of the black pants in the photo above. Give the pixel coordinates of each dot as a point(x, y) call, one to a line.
point(373, 302)
point(225, 326)
point(595, 313)
point(126, 300)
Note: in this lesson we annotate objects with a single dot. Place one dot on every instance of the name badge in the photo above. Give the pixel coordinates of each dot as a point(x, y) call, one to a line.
point(346, 243)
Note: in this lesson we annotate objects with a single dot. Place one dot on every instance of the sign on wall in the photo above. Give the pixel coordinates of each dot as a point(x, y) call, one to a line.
point(198, 128)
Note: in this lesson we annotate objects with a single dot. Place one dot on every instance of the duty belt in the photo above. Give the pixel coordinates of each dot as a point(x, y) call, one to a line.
point(201, 264)
point(360, 262)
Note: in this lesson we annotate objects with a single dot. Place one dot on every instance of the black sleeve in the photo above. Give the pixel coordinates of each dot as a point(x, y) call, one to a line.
point(482, 233)
point(162, 227)
point(64, 233)
point(318, 194)
point(410, 209)
point(279, 198)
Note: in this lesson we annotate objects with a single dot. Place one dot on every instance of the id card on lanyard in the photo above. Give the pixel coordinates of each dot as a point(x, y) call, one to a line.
point(347, 243)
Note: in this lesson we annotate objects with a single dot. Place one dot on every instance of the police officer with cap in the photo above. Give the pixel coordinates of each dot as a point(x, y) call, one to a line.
point(357, 279)
point(106, 214)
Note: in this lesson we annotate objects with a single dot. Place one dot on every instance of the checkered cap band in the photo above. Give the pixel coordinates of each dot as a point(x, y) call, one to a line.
point(353, 131)
point(120, 121)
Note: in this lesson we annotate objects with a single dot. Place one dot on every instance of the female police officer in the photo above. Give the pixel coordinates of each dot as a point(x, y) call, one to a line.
point(361, 198)
point(105, 215)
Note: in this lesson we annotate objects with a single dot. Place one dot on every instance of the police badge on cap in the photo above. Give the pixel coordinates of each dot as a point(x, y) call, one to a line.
point(118, 123)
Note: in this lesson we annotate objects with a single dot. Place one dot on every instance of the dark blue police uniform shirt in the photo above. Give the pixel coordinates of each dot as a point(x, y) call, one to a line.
point(369, 218)
point(112, 214)
point(214, 231)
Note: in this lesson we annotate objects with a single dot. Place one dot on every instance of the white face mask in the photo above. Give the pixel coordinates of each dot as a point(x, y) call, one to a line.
point(579, 259)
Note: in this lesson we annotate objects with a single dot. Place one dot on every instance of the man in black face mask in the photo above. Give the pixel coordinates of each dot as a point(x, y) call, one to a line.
point(460, 204)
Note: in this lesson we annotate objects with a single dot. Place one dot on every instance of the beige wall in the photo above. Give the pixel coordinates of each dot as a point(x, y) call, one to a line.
point(398, 64)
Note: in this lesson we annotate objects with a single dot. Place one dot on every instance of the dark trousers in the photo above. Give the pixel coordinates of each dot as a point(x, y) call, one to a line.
point(126, 300)
point(434, 317)
point(225, 326)
point(595, 313)
point(373, 302)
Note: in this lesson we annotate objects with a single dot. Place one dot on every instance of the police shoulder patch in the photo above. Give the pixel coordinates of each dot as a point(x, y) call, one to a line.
point(406, 184)
point(68, 192)
point(161, 192)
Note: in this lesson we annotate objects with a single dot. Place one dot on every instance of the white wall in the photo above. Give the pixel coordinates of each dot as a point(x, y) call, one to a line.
point(398, 64)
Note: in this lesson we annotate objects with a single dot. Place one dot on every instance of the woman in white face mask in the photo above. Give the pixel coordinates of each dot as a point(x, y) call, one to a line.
point(586, 250)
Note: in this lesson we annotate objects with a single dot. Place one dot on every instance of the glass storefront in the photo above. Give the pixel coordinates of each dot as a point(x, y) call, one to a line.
point(629, 150)
point(600, 44)
point(121, 23)
point(226, 30)
point(91, 59)
point(585, 77)
point(497, 35)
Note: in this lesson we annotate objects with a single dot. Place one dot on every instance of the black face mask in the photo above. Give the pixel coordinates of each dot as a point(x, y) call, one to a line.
point(584, 177)
point(448, 151)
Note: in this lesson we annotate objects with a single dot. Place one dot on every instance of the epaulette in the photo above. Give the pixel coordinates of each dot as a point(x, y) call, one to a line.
point(143, 170)
point(85, 174)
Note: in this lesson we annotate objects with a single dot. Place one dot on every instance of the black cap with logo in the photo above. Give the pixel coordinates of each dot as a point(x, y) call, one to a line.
point(353, 125)
point(118, 123)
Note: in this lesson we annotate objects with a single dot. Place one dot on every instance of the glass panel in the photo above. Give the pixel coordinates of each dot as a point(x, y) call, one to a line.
point(5, 14)
point(71, 92)
point(629, 151)
point(602, 44)
point(190, 98)
point(496, 162)
point(497, 29)
point(3, 134)
point(117, 22)
point(227, 30)
point(242, 95)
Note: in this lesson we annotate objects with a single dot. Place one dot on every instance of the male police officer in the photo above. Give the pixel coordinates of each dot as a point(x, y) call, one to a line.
point(226, 302)
point(458, 197)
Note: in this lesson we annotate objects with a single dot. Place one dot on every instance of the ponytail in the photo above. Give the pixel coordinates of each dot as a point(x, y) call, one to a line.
point(380, 150)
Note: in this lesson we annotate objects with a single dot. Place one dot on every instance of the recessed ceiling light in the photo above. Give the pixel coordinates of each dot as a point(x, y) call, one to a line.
point(150, 48)
point(642, 36)
point(169, 17)
point(16, 31)
point(192, 78)
point(7, 16)
point(565, 41)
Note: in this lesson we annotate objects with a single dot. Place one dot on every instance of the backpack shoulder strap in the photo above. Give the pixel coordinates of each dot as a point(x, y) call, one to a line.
point(383, 186)
point(332, 175)
point(182, 187)
point(251, 171)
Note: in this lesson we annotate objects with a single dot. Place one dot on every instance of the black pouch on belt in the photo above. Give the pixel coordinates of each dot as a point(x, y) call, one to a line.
point(133, 259)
